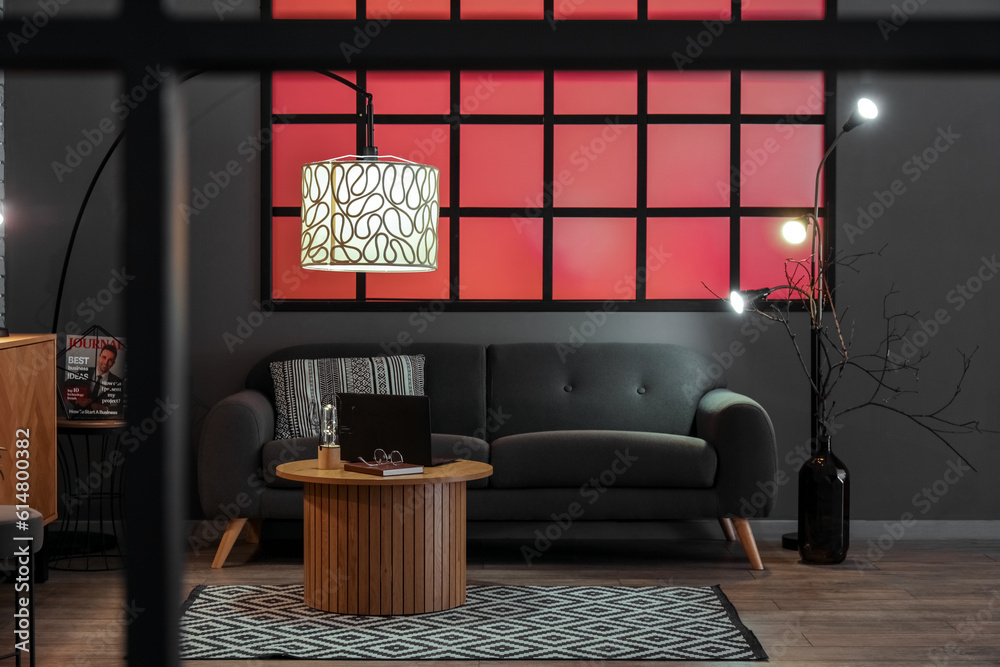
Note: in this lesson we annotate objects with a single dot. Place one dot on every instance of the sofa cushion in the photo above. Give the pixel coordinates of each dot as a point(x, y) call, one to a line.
point(301, 386)
point(277, 452)
point(580, 386)
point(600, 459)
point(454, 376)
point(558, 507)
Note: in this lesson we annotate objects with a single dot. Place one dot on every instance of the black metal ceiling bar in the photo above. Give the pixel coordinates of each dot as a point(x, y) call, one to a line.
point(930, 45)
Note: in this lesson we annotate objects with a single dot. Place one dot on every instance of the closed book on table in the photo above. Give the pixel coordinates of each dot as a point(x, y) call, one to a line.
point(385, 469)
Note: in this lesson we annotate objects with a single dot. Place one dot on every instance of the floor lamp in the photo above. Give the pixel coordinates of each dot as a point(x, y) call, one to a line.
point(815, 292)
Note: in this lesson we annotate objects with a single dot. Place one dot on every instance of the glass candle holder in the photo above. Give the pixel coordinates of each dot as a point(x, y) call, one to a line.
point(328, 426)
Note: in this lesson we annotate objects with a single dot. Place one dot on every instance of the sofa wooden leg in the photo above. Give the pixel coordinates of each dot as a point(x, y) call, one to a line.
point(228, 540)
point(749, 545)
point(253, 531)
point(727, 528)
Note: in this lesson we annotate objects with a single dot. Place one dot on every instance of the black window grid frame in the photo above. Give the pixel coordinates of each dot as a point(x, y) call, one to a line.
point(641, 213)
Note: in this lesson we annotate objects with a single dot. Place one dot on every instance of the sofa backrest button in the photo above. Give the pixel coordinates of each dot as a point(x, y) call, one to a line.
point(568, 388)
point(641, 390)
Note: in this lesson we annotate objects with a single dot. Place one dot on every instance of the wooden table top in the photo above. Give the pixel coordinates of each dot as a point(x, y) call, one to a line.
point(17, 340)
point(309, 472)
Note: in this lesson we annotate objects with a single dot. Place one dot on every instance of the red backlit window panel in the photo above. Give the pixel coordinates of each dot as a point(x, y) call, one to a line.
point(594, 165)
point(502, 9)
point(688, 165)
point(502, 93)
point(424, 285)
point(423, 144)
point(501, 258)
point(688, 92)
point(688, 10)
point(593, 258)
point(289, 280)
point(595, 92)
point(313, 9)
point(409, 92)
point(501, 165)
point(409, 9)
point(784, 10)
point(795, 93)
point(309, 92)
point(681, 253)
point(296, 145)
point(778, 163)
point(765, 256)
point(596, 9)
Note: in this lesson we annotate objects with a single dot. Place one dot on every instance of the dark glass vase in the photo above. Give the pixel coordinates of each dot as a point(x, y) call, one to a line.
point(824, 507)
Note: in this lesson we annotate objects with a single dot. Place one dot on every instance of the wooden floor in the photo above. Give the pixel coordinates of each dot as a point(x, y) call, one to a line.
point(927, 603)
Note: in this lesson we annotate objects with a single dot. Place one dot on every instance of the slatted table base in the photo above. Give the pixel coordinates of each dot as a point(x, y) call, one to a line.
point(385, 550)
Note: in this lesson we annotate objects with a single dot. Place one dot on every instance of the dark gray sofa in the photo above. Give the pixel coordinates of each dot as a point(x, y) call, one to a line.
point(612, 431)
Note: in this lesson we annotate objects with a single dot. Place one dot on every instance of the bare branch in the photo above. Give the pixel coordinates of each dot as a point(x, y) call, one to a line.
point(936, 432)
point(883, 367)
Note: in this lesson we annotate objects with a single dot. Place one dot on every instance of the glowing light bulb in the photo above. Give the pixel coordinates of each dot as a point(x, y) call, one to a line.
point(867, 108)
point(736, 301)
point(794, 231)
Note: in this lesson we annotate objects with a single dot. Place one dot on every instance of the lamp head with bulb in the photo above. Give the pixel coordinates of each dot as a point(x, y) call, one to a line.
point(865, 111)
point(741, 300)
point(369, 213)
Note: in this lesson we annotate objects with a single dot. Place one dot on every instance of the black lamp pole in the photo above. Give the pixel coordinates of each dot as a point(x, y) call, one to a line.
point(370, 151)
point(817, 278)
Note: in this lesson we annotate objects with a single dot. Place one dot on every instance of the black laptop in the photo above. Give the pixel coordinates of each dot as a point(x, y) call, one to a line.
point(377, 421)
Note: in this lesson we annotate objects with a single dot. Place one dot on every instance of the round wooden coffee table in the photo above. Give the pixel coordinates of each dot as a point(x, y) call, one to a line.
point(384, 545)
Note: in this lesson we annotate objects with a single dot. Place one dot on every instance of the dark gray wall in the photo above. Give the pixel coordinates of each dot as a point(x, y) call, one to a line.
point(940, 239)
point(937, 231)
point(61, 127)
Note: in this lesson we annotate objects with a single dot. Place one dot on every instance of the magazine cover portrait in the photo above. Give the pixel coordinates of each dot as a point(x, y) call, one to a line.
point(94, 381)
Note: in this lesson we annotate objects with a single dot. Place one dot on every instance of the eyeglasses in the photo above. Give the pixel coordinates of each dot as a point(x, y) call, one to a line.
point(381, 458)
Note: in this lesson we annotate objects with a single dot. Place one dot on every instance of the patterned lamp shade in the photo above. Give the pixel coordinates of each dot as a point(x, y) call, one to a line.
point(368, 215)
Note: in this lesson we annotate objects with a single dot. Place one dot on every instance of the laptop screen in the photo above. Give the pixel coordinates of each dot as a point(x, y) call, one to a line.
point(377, 421)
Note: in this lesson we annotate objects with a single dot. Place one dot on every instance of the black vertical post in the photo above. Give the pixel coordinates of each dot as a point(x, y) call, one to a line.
point(816, 398)
point(735, 194)
point(455, 178)
point(548, 171)
point(641, 176)
point(156, 326)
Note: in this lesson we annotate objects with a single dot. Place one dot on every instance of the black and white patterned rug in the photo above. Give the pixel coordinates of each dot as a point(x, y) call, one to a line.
point(496, 623)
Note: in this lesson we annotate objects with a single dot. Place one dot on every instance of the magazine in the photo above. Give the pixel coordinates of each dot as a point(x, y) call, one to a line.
point(93, 383)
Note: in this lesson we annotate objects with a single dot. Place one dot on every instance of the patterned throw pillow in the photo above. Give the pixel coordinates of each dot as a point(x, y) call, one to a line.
point(301, 386)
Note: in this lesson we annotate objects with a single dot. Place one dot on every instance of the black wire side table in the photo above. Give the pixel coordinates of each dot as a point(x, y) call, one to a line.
point(91, 475)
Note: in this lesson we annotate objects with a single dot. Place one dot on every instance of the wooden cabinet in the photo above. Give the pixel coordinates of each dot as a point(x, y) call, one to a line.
point(28, 412)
